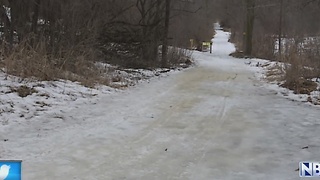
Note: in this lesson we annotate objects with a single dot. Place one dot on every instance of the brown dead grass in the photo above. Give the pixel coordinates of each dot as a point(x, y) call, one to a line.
point(298, 72)
point(301, 86)
point(23, 91)
point(275, 73)
point(179, 57)
point(38, 62)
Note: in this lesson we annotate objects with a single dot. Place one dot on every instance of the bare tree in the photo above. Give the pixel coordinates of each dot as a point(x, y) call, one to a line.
point(250, 4)
point(165, 34)
point(280, 29)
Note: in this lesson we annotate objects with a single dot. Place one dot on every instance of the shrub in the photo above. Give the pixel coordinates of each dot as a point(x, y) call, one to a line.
point(36, 60)
point(300, 69)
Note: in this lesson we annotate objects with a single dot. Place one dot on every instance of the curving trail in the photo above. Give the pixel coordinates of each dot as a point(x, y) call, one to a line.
point(213, 121)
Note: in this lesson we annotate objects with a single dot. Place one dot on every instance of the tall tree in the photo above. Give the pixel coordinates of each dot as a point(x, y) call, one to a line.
point(165, 35)
point(280, 30)
point(35, 16)
point(250, 5)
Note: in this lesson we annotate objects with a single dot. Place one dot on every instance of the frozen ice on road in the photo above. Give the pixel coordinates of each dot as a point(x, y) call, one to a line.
point(213, 121)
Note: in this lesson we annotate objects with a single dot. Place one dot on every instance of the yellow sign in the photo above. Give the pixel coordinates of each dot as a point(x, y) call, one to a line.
point(206, 43)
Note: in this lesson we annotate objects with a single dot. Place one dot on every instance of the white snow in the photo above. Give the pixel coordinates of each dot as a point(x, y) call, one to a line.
point(262, 67)
point(50, 98)
point(213, 121)
point(53, 98)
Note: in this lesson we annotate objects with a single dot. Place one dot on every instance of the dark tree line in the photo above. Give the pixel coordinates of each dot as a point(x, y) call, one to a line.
point(134, 33)
point(270, 21)
point(281, 30)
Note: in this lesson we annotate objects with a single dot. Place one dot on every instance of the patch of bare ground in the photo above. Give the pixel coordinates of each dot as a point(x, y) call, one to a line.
point(301, 86)
point(23, 91)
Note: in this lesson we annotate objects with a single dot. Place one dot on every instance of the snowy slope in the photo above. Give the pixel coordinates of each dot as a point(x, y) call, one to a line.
point(213, 121)
point(24, 100)
point(271, 73)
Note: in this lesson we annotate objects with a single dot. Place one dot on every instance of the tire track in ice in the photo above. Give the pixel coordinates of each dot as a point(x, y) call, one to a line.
point(221, 114)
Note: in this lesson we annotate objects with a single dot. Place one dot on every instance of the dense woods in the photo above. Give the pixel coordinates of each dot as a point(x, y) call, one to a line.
point(49, 39)
point(272, 20)
point(283, 30)
point(55, 38)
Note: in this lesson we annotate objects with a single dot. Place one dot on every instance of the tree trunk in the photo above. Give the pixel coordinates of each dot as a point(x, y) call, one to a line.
point(35, 16)
point(280, 30)
point(8, 30)
point(249, 26)
point(164, 60)
point(157, 33)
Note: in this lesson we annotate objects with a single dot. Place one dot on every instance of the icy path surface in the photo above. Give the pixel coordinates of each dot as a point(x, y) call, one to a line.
point(213, 121)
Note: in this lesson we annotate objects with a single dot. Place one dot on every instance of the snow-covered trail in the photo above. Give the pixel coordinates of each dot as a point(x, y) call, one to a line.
point(213, 121)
